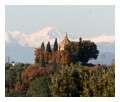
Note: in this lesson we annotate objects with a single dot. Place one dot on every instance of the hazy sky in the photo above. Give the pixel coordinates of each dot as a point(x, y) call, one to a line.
point(84, 21)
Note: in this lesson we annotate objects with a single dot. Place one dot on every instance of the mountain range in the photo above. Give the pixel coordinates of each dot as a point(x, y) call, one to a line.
point(20, 47)
point(35, 39)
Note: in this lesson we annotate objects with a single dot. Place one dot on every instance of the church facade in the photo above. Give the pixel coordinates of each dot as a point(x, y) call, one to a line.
point(64, 42)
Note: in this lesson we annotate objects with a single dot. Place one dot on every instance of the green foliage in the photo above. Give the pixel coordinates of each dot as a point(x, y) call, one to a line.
point(54, 65)
point(75, 80)
point(39, 87)
point(55, 45)
point(48, 48)
point(20, 70)
point(67, 83)
point(7, 66)
point(73, 49)
point(26, 65)
point(99, 83)
point(82, 51)
point(87, 51)
point(42, 62)
point(11, 78)
point(16, 94)
point(78, 81)
point(7, 79)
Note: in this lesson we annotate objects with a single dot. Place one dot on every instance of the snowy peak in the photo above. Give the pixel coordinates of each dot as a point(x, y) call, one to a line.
point(48, 31)
point(44, 31)
point(44, 35)
point(15, 37)
point(102, 38)
point(35, 39)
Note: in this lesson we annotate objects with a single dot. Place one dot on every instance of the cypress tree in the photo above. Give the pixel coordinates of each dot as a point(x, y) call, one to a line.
point(42, 63)
point(42, 45)
point(80, 40)
point(48, 48)
point(55, 45)
point(80, 49)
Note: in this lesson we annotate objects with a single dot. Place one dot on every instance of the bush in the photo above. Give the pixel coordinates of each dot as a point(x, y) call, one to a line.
point(67, 83)
point(98, 81)
point(16, 94)
point(39, 87)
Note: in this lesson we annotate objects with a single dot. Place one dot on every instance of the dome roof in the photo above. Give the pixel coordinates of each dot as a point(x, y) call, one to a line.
point(64, 42)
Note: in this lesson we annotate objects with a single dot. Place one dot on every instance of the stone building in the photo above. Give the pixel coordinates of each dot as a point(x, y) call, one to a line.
point(64, 42)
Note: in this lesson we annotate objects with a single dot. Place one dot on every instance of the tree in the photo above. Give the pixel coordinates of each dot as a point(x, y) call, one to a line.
point(46, 56)
point(87, 51)
point(7, 79)
point(7, 66)
point(82, 51)
point(39, 87)
point(55, 45)
point(73, 49)
point(80, 40)
point(48, 48)
point(42, 62)
point(32, 71)
point(20, 69)
point(42, 45)
point(10, 78)
point(38, 55)
point(16, 94)
point(100, 82)
point(67, 83)
point(19, 77)
point(64, 57)
point(36, 60)
point(54, 65)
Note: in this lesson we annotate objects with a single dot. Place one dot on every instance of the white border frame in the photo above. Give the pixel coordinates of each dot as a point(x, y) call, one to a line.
point(60, 2)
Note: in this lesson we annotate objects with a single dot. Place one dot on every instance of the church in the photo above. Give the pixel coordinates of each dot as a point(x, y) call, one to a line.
point(64, 42)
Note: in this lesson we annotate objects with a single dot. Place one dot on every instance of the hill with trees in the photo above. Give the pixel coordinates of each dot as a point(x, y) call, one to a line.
point(62, 73)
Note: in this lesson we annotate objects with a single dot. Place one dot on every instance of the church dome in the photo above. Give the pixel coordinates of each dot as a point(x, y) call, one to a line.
point(64, 42)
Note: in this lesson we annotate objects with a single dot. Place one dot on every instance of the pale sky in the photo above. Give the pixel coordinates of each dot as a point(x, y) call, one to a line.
point(84, 21)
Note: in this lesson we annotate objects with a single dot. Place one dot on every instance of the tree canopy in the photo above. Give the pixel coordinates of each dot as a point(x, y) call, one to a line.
point(87, 51)
point(67, 83)
point(42, 62)
point(55, 45)
point(48, 48)
point(39, 87)
point(82, 51)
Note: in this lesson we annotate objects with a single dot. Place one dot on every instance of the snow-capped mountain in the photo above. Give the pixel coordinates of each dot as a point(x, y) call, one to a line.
point(20, 47)
point(45, 35)
point(35, 39)
point(102, 38)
